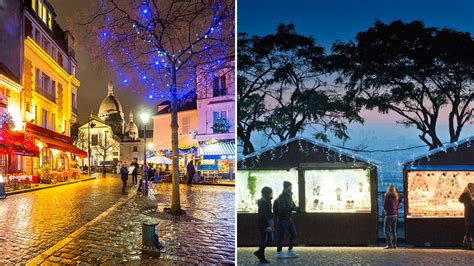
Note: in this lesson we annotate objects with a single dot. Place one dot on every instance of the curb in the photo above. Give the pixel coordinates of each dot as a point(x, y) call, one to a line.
point(10, 193)
point(42, 257)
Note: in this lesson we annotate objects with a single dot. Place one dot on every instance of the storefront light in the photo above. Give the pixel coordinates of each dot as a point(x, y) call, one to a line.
point(40, 146)
point(1, 179)
point(54, 152)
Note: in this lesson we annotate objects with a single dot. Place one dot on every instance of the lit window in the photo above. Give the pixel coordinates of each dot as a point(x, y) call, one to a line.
point(50, 21)
point(33, 5)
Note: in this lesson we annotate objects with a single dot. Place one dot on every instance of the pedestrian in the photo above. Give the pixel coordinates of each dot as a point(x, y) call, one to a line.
point(467, 200)
point(283, 207)
point(124, 177)
point(191, 171)
point(118, 169)
point(134, 164)
point(151, 172)
point(104, 171)
point(390, 207)
point(265, 223)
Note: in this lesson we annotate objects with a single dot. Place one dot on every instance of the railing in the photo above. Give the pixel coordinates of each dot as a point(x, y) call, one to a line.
point(48, 96)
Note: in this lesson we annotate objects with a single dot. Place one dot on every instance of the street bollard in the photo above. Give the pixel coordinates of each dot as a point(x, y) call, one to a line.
point(150, 236)
point(2, 187)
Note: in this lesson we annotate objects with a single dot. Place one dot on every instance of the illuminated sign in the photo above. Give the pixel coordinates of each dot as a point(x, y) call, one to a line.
point(5, 91)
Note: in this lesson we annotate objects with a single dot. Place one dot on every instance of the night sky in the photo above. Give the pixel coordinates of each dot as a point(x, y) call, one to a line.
point(93, 87)
point(331, 20)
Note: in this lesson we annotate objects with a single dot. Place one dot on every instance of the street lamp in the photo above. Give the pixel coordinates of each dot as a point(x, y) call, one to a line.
point(91, 125)
point(145, 117)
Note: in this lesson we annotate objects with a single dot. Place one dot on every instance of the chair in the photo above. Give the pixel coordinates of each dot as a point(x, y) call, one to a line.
point(155, 184)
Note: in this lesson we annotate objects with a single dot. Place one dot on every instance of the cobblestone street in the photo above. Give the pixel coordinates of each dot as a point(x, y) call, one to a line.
point(362, 256)
point(32, 222)
point(205, 234)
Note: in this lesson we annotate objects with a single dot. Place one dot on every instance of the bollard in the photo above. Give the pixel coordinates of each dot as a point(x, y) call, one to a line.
point(2, 187)
point(150, 236)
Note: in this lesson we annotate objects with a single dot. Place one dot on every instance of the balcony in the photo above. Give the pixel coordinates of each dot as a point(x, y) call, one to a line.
point(45, 94)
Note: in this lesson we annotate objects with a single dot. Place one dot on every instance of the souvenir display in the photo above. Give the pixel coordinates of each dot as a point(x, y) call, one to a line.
point(343, 190)
point(250, 183)
point(436, 193)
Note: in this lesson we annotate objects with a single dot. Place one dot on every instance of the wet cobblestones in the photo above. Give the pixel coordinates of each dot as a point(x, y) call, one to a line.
point(204, 235)
point(32, 222)
point(363, 256)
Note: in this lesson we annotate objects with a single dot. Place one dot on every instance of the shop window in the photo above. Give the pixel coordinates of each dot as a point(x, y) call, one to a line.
point(342, 190)
point(95, 140)
point(436, 193)
point(250, 183)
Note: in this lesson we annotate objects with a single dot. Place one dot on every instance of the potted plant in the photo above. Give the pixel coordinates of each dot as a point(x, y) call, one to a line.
point(221, 125)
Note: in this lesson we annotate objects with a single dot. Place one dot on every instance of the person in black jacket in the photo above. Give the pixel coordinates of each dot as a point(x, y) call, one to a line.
point(124, 177)
point(466, 199)
point(390, 207)
point(286, 206)
point(135, 171)
point(265, 223)
point(191, 171)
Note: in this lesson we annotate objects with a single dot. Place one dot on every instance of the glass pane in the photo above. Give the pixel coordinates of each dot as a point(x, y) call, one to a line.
point(250, 183)
point(344, 190)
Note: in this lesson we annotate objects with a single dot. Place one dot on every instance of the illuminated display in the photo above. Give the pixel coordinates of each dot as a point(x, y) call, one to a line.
point(251, 182)
point(436, 193)
point(344, 190)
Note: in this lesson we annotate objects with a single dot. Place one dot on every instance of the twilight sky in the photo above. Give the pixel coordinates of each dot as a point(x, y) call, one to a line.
point(93, 87)
point(331, 20)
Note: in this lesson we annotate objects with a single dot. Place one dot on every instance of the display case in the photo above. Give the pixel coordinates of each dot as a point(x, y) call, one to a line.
point(337, 191)
point(251, 182)
point(434, 194)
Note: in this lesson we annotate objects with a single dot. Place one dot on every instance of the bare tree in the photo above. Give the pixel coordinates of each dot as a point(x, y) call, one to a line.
point(105, 147)
point(157, 45)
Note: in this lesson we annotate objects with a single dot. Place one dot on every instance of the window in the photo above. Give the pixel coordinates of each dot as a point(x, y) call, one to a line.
point(219, 86)
point(219, 117)
point(135, 149)
point(73, 71)
point(37, 36)
point(37, 80)
point(46, 45)
point(94, 140)
point(115, 153)
point(33, 5)
point(50, 21)
point(74, 103)
point(250, 183)
point(36, 115)
point(53, 122)
point(60, 59)
point(185, 125)
point(28, 28)
point(44, 117)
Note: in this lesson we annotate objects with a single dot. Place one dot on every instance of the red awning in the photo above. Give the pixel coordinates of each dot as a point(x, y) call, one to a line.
point(17, 143)
point(55, 140)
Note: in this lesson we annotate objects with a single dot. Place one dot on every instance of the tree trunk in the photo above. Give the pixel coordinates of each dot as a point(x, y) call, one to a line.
point(175, 200)
point(245, 138)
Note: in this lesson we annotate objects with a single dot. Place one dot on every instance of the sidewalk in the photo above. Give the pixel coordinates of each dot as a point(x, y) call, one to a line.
point(35, 187)
point(362, 256)
point(205, 234)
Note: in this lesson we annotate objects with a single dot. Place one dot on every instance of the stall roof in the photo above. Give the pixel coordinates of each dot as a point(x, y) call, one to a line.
point(350, 156)
point(457, 153)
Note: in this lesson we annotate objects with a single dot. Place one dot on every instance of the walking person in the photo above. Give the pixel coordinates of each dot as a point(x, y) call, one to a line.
point(283, 208)
point(390, 207)
point(124, 177)
point(104, 171)
point(466, 199)
point(191, 171)
point(265, 223)
point(135, 171)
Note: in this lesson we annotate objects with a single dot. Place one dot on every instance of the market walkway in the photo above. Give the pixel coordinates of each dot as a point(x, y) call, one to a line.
point(363, 256)
point(32, 222)
point(205, 234)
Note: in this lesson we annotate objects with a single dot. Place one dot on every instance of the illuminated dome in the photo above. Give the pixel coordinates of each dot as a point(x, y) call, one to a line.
point(110, 111)
point(131, 130)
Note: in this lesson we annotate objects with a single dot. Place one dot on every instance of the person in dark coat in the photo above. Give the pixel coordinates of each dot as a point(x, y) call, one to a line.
point(390, 207)
point(135, 171)
point(191, 171)
point(124, 177)
point(467, 200)
point(286, 206)
point(265, 223)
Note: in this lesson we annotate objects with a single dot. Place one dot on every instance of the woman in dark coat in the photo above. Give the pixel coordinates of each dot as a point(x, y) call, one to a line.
point(466, 199)
point(124, 177)
point(265, 223)
point(390, 207)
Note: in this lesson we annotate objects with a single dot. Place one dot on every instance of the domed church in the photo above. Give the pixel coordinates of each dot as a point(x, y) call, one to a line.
point(131, 130)
point(110, 111)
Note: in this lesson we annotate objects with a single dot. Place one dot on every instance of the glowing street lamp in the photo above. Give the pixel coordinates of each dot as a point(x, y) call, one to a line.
point(145, 117)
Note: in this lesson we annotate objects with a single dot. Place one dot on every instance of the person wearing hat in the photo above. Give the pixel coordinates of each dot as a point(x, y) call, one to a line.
point(265, 223)
point(284, 211)
point(124, 177)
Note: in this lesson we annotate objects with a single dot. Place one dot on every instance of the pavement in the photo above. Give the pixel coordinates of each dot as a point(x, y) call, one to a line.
point(92, 222)
point(362, 256)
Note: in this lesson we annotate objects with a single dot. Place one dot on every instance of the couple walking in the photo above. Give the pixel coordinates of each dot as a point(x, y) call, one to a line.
point(283, 208)
point(125, 171)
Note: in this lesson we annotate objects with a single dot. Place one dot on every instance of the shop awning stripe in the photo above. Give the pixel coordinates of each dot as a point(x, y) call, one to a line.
point(222, 148)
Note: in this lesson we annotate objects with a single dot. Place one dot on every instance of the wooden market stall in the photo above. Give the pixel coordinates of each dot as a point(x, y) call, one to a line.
point(433, 182)
point(336, 191)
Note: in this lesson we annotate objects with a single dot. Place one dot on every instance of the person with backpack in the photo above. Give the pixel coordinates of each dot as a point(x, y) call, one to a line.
point(390, 207)
point(283, 208)
point(265, 223)
point(467, 200)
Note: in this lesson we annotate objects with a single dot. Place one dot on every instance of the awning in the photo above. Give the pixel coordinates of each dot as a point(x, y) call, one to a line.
point(208, 167)
point(440, 168)
point(17, 143)
point(218, 150)
point(55, 140)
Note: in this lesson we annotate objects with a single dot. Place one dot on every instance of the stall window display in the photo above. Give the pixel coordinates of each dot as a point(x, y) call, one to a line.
point(251, 182)
point(340, 191)
point(436, 193)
